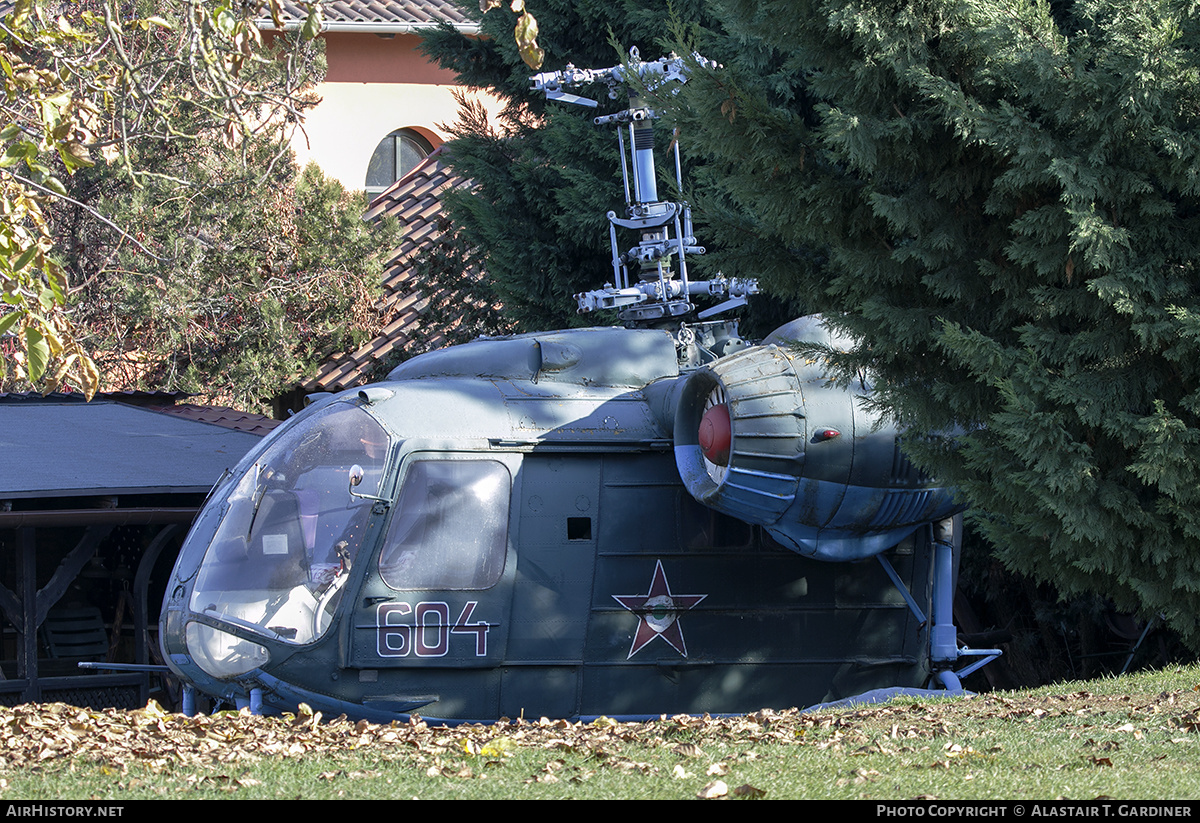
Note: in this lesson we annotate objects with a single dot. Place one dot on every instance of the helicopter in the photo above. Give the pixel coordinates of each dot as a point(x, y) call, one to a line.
point(628, 521)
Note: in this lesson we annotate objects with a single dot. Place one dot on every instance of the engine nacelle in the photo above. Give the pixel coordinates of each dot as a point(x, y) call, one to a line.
point(762, 435)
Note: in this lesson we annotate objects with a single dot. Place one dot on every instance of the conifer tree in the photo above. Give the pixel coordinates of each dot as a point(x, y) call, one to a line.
point(999, 200)
point(206, 261)
point(245, 279)
point(545, 174)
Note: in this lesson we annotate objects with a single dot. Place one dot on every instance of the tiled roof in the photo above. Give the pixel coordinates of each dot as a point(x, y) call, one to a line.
point(225, 417)
point(414, 202)
point(364, 12)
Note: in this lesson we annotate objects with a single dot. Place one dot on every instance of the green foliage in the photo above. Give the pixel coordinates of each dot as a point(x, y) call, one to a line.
point(545, 174)
point(999, 200)
point(91, 82)
point(255, 276)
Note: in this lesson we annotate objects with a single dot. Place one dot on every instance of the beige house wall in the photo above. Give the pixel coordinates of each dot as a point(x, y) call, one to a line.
point(373, 87)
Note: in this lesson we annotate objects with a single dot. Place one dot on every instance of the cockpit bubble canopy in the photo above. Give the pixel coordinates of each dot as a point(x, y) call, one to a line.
point(281, 555)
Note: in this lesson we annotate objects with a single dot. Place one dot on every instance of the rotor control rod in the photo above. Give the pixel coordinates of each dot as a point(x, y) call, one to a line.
point(610, 297)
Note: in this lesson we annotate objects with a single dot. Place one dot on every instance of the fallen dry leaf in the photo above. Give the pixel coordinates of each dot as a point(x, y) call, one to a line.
point(221, 745)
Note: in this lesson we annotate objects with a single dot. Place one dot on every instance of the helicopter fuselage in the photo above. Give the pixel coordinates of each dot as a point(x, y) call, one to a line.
point(508, 528)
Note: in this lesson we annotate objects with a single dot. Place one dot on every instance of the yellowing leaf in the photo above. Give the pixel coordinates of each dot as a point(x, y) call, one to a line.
point(225, 21)
point(497, 747)
point(75, 155)
point(21, 12)
point(54, 342)
point(526, 33)
point(61, 372)
point(90, 375)
point(312, 23)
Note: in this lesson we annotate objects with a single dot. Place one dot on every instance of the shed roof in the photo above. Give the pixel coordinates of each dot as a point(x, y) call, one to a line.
point(166, 402)
point(72, 449)
point(135, 397)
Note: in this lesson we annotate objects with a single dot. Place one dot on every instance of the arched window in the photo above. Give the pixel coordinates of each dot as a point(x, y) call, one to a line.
point(395, 156)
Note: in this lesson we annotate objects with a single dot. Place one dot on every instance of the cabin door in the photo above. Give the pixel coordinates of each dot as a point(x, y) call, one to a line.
point(560, 510)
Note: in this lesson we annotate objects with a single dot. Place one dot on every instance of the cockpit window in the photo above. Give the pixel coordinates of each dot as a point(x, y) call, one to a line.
point(281, 556)
point(450, 526)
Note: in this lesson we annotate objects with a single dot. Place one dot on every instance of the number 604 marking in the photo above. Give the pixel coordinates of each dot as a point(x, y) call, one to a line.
point(428, 635)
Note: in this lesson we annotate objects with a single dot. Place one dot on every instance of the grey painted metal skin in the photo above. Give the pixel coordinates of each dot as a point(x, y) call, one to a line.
point(629, 581)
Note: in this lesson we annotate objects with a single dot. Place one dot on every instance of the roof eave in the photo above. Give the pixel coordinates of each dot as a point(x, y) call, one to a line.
point(372, 28)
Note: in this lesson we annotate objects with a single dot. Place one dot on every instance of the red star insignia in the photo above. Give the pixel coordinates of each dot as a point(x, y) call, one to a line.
point(658, 613)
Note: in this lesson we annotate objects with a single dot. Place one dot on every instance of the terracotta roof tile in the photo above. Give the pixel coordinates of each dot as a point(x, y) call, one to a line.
point(223, 416)
point(414, 202)
point(380, 11)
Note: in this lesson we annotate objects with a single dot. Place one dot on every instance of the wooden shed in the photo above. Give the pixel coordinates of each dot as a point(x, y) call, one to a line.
point(95, 499)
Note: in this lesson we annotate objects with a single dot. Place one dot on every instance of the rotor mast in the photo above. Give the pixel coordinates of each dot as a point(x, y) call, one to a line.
point(646, 287)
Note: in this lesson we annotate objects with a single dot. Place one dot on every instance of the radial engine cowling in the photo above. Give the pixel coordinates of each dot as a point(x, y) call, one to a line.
point(761, 435)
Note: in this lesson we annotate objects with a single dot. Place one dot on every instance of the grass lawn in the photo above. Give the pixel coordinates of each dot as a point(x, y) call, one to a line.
point(1135, 737)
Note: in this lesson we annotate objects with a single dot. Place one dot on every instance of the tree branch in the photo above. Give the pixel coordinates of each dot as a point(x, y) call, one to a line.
point(25, 181)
